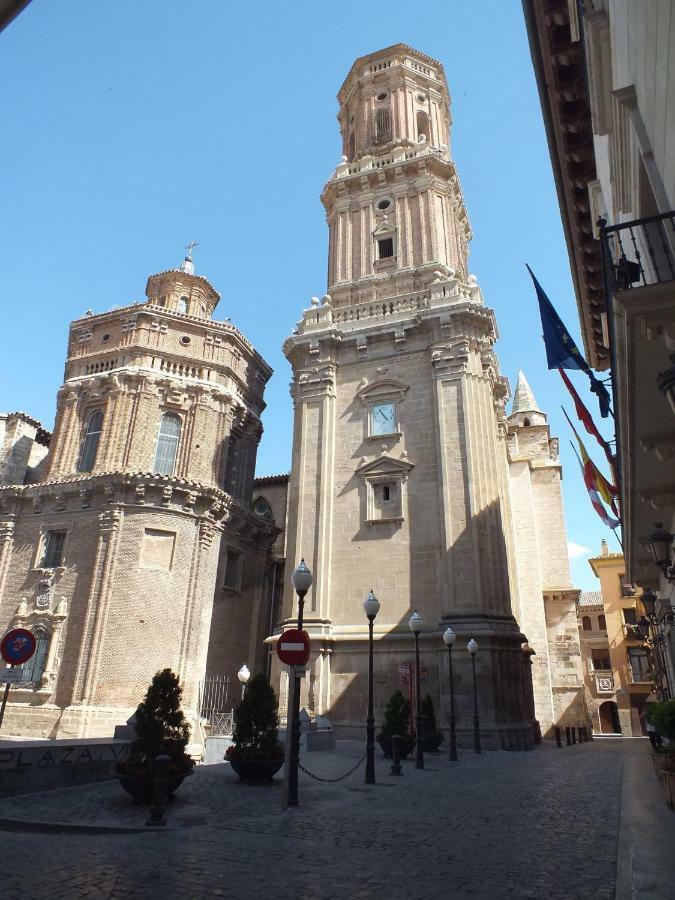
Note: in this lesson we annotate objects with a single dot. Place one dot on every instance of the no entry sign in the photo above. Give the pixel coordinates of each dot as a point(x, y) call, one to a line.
point(17, 646)
point(293, 647)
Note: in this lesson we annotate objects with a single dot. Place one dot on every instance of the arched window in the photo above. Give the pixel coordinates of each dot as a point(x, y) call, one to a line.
point(182, 305)
point(423, 126)
point(383, 124)
point(32, 671)
point(90, 443)
point(167, 444)
point(602, 623)
point(586, 623)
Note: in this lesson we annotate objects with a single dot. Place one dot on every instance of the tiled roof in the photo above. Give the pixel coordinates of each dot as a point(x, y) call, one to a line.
point(272, 479)
point(590, 598)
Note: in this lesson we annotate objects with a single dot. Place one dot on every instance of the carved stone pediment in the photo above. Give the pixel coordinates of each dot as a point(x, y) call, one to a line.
point(385, 466)
point(382, 388)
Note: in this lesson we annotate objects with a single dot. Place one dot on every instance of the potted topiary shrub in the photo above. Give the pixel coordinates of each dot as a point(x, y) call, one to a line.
point(256, 754)
point(161, 728)
point(432, 738)
point(396, 721)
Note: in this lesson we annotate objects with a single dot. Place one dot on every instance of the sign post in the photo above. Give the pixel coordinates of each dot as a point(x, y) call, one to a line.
point(293, 648)
point(16, 648)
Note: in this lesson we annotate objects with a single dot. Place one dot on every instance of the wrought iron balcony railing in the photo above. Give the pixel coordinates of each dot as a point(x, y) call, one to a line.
point(640, 252)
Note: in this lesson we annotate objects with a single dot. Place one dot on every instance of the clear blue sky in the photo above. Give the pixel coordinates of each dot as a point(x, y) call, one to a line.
point(132, 126)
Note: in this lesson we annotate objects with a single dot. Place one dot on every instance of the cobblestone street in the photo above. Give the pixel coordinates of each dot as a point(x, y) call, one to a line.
point(543, 824)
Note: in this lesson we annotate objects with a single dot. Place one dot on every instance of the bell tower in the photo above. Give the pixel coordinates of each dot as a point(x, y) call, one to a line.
point(395, 211)
point(399, 477)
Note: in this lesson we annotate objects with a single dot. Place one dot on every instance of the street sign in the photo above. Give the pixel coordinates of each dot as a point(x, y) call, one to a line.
point(10, 676)
point(17, 646)
point(293, 647)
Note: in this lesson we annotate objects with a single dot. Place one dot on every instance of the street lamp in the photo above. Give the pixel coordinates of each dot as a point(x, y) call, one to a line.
point(659, 543)
point(371, 607)
point(650, 628)
point(302, 582)
point(415, 624)
point(450, 637)
point(472, 647)
point(243, 675)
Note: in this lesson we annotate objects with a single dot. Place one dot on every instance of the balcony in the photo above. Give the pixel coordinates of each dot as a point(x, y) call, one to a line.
point(640, 252)
point(638, 678)
point(639, 274)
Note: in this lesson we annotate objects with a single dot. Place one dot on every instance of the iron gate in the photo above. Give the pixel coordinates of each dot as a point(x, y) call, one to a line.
point(213, 694)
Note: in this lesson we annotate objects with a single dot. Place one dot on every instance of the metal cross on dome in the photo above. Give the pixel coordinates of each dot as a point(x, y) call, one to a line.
point(191, 246)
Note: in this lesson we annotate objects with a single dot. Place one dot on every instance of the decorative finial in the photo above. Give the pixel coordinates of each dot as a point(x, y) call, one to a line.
point(187, 265)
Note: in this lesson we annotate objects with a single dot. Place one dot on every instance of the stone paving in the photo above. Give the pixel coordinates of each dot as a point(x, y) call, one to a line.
point(514, 825)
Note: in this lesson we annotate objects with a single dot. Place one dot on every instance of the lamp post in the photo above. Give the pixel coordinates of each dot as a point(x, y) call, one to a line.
point(243, 675)
point(472, 647)
point(415, 624)
point(371, 607)
point(302, 582)
point(450, 637)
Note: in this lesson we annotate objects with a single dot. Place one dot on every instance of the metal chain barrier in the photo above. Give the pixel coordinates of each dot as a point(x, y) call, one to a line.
point(331, 780)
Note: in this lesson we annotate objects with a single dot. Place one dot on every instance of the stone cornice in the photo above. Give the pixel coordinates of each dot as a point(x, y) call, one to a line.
point(111, 490)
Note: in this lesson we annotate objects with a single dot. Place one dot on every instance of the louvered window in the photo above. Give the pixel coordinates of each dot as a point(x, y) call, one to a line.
point(383, 124)
point(31, 672)
point(167, 444)
point(385, 248)
point(90, 443)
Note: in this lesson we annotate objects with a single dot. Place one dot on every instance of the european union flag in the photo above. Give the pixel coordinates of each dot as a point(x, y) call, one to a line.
point(561, 350)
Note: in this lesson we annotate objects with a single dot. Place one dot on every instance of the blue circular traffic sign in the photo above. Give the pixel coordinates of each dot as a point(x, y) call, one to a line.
point(17, 646)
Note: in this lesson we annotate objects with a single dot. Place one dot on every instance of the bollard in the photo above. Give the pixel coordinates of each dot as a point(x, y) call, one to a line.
point(568, 736)
point(396, 755)
point(160, 790)
point(574, 735)
point(558, 742)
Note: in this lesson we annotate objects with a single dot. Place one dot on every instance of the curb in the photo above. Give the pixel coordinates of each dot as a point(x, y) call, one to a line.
point(75, 828)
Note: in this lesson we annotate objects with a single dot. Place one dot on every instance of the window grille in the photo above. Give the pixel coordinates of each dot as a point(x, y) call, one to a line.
point(602, 623)
point(586, 623)
point(383, 124)
point(167, 444)
point(90, 443)
point(386, 248)
point(53, 552)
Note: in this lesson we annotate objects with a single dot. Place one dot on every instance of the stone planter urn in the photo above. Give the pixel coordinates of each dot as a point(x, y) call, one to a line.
point(141, 786)
point(256, 771)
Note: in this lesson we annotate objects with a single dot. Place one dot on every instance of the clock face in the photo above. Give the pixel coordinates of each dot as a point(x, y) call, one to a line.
point(383, 418)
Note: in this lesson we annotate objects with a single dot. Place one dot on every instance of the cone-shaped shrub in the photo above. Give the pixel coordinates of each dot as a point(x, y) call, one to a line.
point(256, 722)
point(396, 715)
point(161, 727)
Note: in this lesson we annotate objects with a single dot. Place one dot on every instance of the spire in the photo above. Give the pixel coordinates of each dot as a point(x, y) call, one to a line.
point(523, 400)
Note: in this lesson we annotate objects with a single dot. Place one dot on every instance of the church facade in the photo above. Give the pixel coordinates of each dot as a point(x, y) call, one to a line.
point(142, 540)
point(122, 554)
